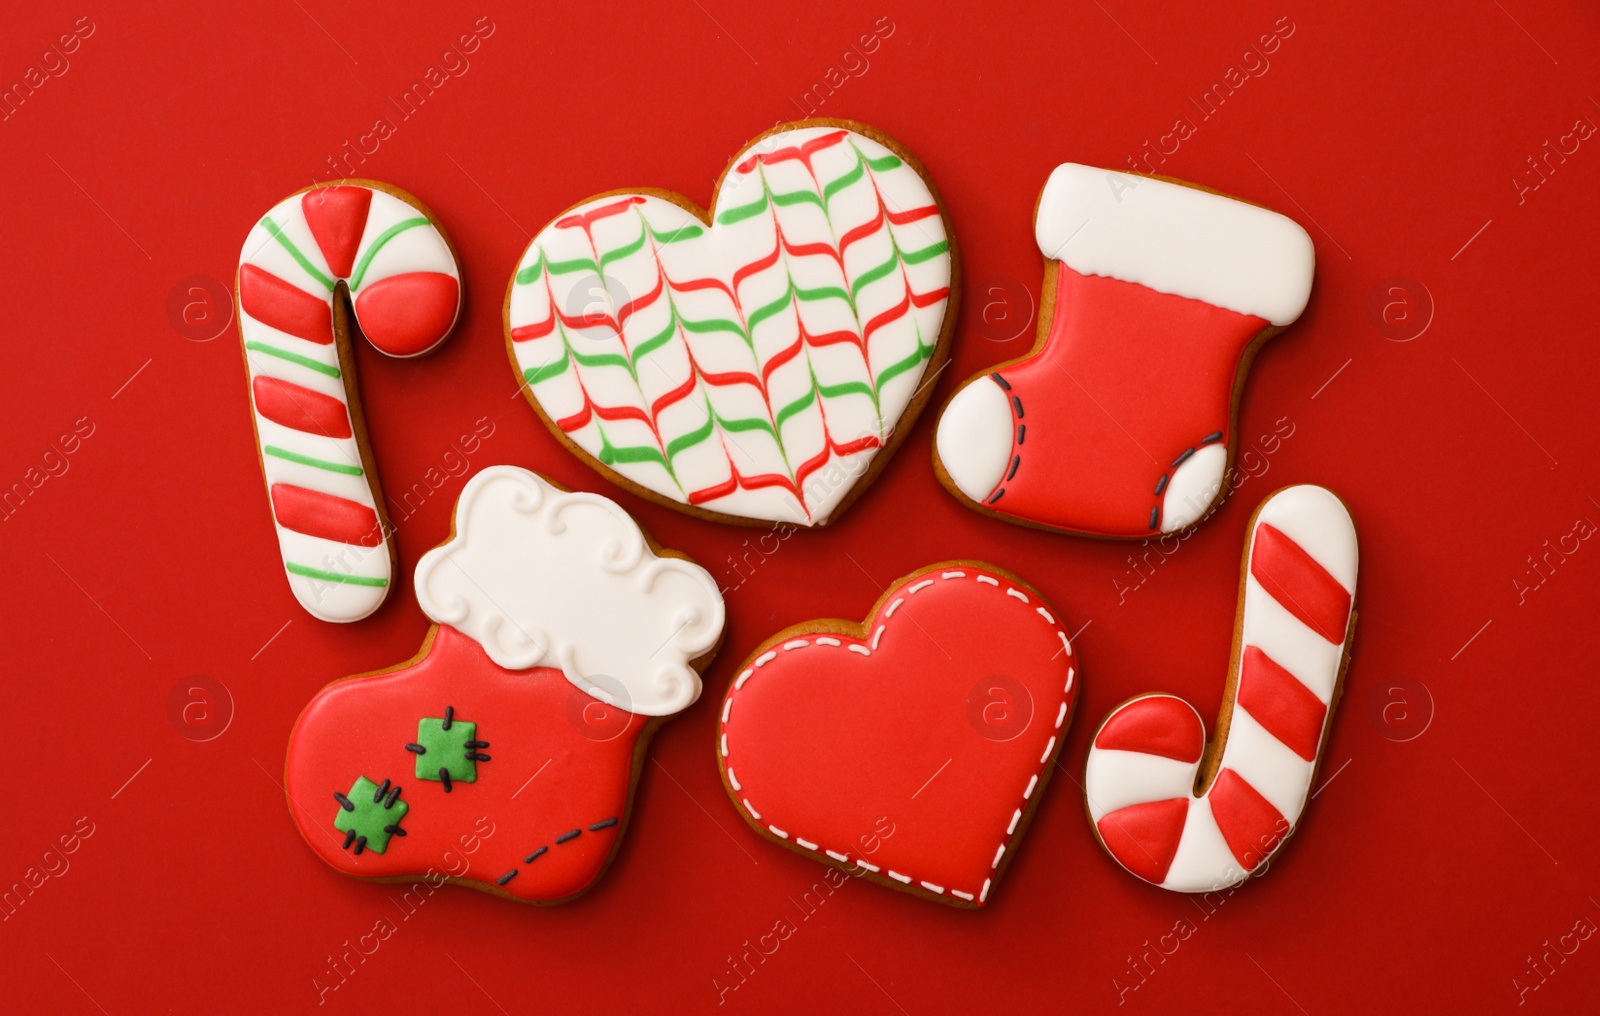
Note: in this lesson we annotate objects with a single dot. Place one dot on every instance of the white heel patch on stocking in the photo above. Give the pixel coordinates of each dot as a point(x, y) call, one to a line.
point(1194, 485)
point(974, 440)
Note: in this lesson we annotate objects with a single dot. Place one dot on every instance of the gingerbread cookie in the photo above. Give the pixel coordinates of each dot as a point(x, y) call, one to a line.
point(910, 749)
point(563, 636)
point(755, 363)
point(1193, 818)
point(318, 257)
point(1120, 422)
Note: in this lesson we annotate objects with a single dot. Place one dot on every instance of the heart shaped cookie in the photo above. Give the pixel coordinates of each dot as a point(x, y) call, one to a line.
point(910, 749)
point(755, 364)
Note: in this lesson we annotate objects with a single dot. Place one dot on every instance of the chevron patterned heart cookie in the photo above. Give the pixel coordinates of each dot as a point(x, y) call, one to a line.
point(756, 363)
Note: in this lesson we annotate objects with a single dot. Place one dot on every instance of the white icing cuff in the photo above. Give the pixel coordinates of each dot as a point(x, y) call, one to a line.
point(542, 577)
point(974, 438)
point(1176, 239)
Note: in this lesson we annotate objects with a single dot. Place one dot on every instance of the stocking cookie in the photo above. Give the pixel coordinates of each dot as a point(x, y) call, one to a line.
point(1120, 422)
point(316, 258)
point(910, 749)
point(754, 363)
point(1191, 817)
point(563, 637)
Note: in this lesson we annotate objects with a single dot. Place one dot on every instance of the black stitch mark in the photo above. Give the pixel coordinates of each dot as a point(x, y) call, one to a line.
point(477, 756)
point(349, 838)
point(416, 749)
point(1015, 462)
point(394, 830)
point(449, 717)
point(1161, 484)
point(1000, 381)
point(564, 837)
point(508, 876)
point(475, 744)
point(607, 824)
point(444, 777)
point(1181, 459)
point(1017, 401)
point(377, 795)
point(1153, 516)
point(535, 855)
point(344, 802)
point(361, 844)
point(1211, 437)
point(1022, 432)
point(997, 495)
point(394, 795)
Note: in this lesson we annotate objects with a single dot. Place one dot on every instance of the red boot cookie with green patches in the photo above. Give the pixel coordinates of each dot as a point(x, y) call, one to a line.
point(563, 638)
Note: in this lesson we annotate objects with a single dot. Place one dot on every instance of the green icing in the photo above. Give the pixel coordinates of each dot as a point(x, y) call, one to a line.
point(446, 749)
point(370, 815)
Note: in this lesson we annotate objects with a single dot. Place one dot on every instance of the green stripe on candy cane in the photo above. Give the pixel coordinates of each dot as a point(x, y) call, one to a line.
point(284, 354)
point(328, 576)
point(294, 252)
point(378, 244)
point(307, 460)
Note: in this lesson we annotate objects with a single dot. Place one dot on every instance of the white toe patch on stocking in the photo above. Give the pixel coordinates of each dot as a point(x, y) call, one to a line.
point(975, 438)
point(1193, 487)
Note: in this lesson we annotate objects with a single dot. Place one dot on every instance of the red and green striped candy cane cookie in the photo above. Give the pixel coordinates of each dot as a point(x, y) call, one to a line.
point(314, 259)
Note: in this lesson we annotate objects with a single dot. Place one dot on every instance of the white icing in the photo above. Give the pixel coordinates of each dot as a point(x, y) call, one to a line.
point(705, 463)
point(1176, 239)
point(973, 442)
point(542, 577)
point(1194, 485)
point(421, 248)
point(1317, 521)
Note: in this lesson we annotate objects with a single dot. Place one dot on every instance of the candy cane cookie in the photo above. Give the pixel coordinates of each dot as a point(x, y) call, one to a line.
point(316, 257)
point(1193, 818)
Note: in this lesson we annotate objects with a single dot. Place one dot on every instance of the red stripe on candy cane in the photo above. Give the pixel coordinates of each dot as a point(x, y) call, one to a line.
point(284, 306)
point(1155, 726)
point(337, 216)
point(302, 409)
point(1145, 837)
point(325, 516)
point(1300, 584)
point(1286, 708)
point(1251, 826)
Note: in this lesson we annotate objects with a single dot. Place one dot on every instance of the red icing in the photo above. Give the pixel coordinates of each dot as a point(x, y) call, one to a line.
point(1277, 700)
point(533, 724)
point(1251, 826)
point(936, 734)
point(324, 515)
point(288, 404)
point(405, 315)
point(1303, 587)
point(1159, 725)
point(1145, 837)
point(337, 217)
point(285, 307)
point(1125, 376)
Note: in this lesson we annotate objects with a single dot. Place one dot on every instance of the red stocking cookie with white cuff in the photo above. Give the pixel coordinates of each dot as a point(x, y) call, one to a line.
point(755, 363)
point(1120, 421)
point(910, 749)
point(1193, 818)
point(355, 248)
point(562, 638)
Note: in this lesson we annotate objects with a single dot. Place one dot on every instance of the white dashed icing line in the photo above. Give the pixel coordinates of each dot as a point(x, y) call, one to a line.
point(877, 637)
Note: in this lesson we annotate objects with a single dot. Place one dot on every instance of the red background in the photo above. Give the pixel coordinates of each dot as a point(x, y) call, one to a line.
point(1426, 871)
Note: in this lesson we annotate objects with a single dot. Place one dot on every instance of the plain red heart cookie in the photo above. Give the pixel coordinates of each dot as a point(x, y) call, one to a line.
point(911, 748)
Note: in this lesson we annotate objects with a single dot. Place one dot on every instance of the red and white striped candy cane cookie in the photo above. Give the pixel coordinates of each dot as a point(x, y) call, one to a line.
point(1291, 645)
point(313, 258)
